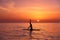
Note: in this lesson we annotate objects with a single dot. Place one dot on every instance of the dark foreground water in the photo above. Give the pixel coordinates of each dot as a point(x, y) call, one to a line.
point(14, 31)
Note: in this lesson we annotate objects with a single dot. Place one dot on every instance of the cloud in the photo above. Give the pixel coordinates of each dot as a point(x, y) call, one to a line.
point(7, 6)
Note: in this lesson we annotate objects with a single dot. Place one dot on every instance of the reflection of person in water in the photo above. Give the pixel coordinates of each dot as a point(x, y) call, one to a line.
point(30, 34)
point(30, 27)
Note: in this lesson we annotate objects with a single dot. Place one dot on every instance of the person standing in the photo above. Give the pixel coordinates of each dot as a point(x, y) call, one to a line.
point(30, 27)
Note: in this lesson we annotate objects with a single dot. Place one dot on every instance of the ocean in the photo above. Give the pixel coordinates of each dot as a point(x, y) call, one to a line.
point(14, 31)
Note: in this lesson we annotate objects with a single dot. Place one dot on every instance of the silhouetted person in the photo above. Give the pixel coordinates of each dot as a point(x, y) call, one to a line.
point(30, 27)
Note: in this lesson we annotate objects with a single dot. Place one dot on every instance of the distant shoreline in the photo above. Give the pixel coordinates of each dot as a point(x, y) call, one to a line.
point(28, 22)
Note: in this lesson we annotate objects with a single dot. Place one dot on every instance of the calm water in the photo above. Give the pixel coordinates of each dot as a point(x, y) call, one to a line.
point(14, 31)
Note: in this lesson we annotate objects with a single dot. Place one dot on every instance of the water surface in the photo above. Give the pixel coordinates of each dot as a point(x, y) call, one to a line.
point(14, 31)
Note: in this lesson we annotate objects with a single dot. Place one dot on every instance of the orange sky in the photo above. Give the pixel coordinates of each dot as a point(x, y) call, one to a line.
point(29, 9)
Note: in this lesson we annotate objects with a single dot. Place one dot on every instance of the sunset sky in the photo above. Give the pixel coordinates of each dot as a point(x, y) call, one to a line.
point(23, 10)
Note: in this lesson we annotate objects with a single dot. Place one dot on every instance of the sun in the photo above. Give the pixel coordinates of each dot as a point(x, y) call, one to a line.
point(38, 20)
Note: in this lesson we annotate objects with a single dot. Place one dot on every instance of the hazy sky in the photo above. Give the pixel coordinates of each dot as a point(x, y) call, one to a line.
point(29, 9)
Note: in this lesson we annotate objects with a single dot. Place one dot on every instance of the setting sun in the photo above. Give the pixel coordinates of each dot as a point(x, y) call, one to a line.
point(38, 20)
